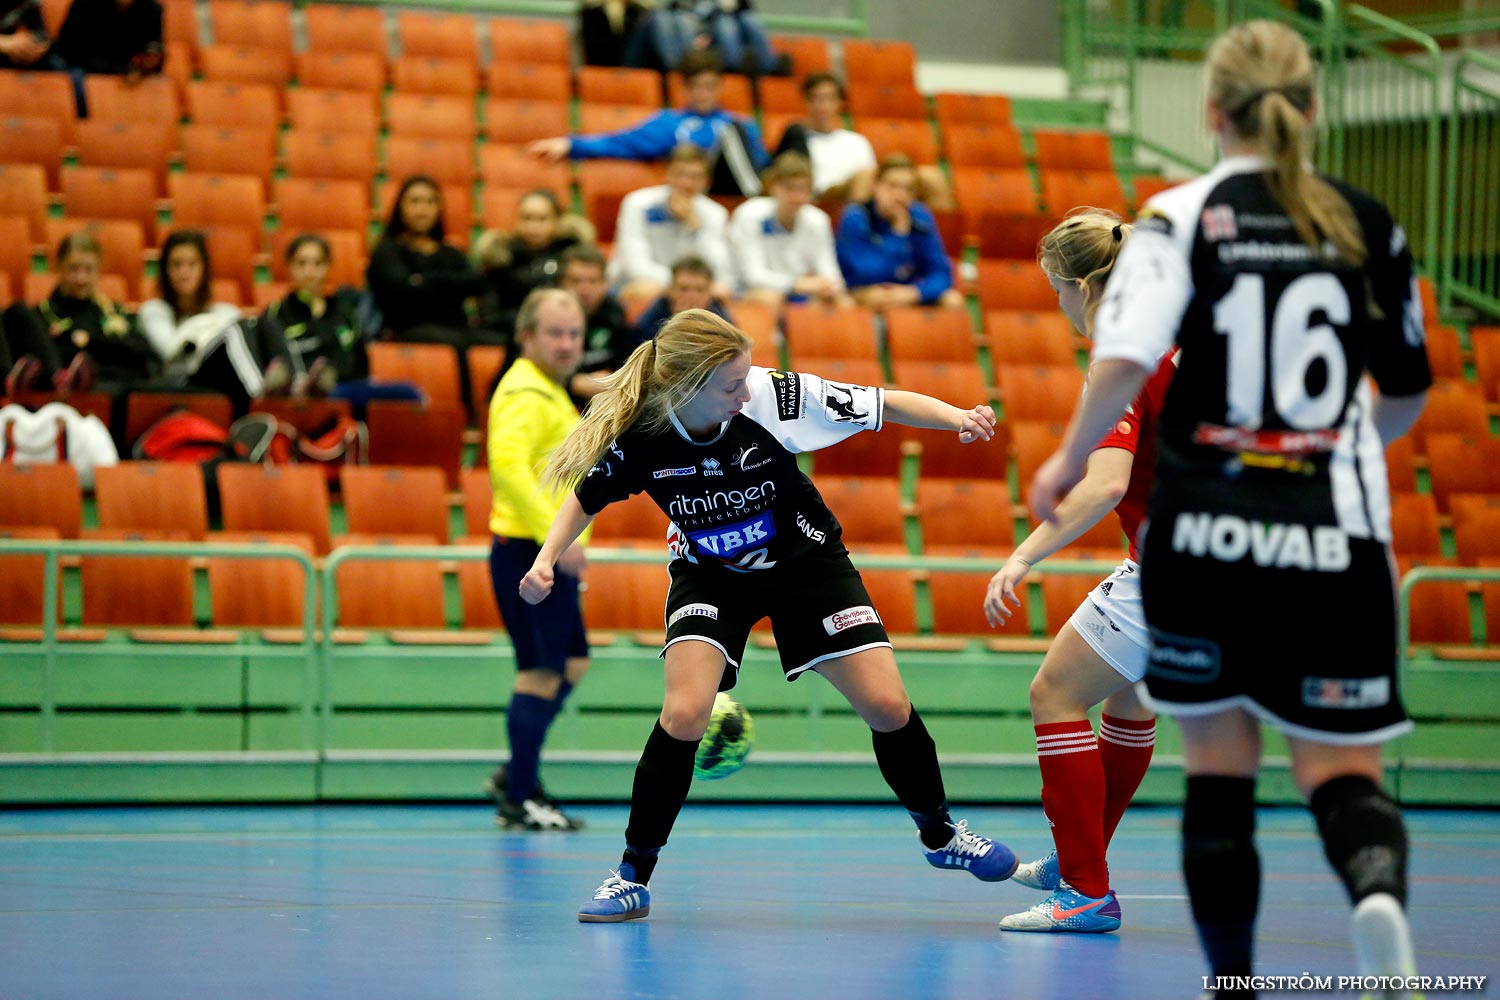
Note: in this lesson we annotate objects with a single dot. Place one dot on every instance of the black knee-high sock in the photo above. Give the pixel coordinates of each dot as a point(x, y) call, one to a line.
point(1222, 868)
point(1363, 836)
point(662, 779)
point(908, 762)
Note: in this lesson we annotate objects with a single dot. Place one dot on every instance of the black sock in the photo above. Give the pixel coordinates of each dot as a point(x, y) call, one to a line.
point(1363, 836)
point(1222, 868)
point(908, 762)
point(662, 779)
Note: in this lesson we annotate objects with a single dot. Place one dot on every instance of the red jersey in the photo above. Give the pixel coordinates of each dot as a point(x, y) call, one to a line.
point(1135, 431)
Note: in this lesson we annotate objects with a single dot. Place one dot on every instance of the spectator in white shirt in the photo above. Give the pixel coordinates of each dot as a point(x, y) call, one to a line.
point(659, 225)
point(783, 245)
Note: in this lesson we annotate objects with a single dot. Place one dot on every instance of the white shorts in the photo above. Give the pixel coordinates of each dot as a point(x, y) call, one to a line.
point(1113, 621)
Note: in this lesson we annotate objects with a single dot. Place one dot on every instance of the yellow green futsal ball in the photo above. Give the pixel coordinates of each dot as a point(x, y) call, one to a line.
point(726, 743)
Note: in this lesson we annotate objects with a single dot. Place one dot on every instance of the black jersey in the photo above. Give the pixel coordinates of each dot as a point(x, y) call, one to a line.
point(738, 500)
point(1268, 417)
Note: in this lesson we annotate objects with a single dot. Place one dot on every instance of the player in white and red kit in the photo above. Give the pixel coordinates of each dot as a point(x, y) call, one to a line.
point(1101, 652)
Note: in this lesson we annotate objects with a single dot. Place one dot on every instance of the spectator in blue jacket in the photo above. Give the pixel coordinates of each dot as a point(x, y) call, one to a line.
point(732, 142)
point(889, 248)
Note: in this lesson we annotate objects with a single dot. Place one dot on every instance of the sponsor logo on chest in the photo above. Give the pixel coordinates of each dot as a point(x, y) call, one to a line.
point(729, 540)
point(711, 467)
point(687, 470)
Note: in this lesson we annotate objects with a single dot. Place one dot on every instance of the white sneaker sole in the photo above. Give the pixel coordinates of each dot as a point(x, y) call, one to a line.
point(618, 918)
point(1382, 942)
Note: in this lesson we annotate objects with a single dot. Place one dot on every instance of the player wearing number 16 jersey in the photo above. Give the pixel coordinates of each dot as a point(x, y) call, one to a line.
point(712, 440)
point(1266, 573)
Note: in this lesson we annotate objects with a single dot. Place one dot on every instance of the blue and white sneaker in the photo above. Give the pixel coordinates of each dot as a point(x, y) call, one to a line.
point(987, 860)
point(1043, 873)
point(618, 899)
point(1068, 910)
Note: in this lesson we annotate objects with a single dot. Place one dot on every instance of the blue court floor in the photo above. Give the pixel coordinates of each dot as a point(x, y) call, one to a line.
point(784, 902)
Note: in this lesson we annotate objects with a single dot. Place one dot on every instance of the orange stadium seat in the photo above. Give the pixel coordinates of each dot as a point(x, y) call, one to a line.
point(1462, 463)
point(342, 28)
point(1414, 525)
point(1065, 190)
point(1010, 284)
point(237, 64)
point(1428, 293)
point(136, 590)
point(433, 368)
point(519, 122)
point(476, 590)
point(850, 371)
point(737, 94)
point(869, 508)
point(15, 250)
point(915, 333)
point(485, 362)
point(39, 95)
point(21, 579)
point(236, 105)
point(330, 155)
point(109, 193)
point(313, 204)
point(1401, 465)
point(41, 496)
point(257, 593)
point(516, 40)
point(1024, 337)
point(829, 332)
point(991, 147)
point(440, 36)
point(773, 125)
point(275, 498)
point(431, 75)
point(627, 596)
point(1148, 187)
point(384, 500)
point(322, 109)
point(150, 100)
point(217, 200)
point(962, 384)
point(809, 54)
point(944, 456)
point(499, 207)
point(5, 292)
point(447, 161)
point(121, 242)
point(33, 141)
point(474, 484)
point(23, 193)
point(1039, 392)
point(611, 85)
point(1453, 405)
point(880, 61)
point(122, 145)
point(958, 607)
point(635, 519)
point(1444, 353)
point(1012, 237)
point(893, 596)
point(982, 192)
point(1486, 344)
point(1439, 609)
point(1476, 529)
point(884, 100)
point(403, 593)
point(1072, 150)
point(214, 149)
point(260, 24)
point(1062, 594)
point(958, 513)
point(153, 496)
point(363, 71)
point(971, 109)
point(510, 167)
point(411, 434)
point(530, 81)
point(345, 246)
point(913, 139)
point(757, 320)
point(868, 453)
point(431, 116)
point(781, 94)
point(180, 25)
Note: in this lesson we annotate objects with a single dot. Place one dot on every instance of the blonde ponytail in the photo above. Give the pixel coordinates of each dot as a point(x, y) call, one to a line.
point(658, 377)
point(1260, 75)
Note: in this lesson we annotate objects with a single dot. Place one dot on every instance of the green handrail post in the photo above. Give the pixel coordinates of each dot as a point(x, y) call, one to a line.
point(1480, 224)
point(51, 580)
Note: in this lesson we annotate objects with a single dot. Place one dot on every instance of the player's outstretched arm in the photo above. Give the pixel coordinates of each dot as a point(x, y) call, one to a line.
point(566, 527)
point(1113, 383)
point(916, 410)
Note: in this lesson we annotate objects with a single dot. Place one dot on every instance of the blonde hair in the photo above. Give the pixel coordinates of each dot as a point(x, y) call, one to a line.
point(1260, 75)
point(1084, 247)
point(659, 376)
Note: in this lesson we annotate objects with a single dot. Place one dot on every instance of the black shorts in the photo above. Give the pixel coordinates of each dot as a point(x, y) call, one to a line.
point(819, 610)
point(1312, 652)
point(546, 635)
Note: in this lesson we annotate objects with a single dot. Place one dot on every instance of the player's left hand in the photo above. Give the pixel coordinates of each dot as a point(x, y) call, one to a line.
point(978, 425)
point(1051, 483)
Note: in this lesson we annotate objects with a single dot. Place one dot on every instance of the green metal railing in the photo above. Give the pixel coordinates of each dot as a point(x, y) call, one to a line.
point(1434, 574)
point(1471, 236)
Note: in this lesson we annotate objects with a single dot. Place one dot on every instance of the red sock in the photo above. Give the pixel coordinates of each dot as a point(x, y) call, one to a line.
point(1125, 749)
point(1073, 798)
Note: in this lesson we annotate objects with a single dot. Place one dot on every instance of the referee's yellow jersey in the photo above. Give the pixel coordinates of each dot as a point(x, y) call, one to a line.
point(530, 415)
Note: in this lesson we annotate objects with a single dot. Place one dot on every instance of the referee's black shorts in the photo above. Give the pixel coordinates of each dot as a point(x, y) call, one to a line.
point(546, 635)
point(819, 610)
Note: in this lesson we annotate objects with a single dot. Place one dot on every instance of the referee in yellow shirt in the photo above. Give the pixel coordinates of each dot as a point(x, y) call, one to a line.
point(530, 415)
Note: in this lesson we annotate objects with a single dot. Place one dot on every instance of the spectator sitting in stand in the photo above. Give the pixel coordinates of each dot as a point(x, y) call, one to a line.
point(119, 37)
point(783, 245)
point(23, 36)
point(322, 336)
point(517, 263)
point(201, 343)
point(421, 285)
point(76, 338)
point(889, 248)
point(731, 142)
point(618, 33)
point(657, 225)
point(607, 338)
point(692, 288)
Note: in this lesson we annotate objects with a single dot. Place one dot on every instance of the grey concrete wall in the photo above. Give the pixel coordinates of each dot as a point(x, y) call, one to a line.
point(993, 31)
